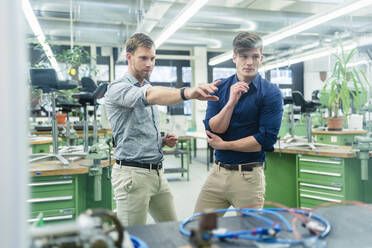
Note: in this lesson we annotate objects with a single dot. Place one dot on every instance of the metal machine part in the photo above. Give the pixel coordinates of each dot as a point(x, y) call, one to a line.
point(201, 238)
point(97, 228)
point(97, 152)
point(362, 147)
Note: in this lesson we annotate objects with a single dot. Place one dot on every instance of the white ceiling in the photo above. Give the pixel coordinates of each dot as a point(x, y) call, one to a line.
point(109, 23)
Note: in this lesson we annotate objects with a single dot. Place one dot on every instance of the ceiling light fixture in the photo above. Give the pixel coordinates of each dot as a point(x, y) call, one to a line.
point(361, 62)
point(301, 26)
point(35, 26)
point(314, 54)
point(186, 13)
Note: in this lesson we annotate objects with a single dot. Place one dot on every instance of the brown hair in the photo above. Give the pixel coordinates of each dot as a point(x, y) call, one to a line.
point(138, 40)
point(247, 41)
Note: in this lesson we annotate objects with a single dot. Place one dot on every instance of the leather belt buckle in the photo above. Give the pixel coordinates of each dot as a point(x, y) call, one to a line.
point(156, 166)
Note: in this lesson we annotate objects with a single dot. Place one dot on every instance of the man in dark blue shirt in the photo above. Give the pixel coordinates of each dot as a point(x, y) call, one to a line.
point(241, 126)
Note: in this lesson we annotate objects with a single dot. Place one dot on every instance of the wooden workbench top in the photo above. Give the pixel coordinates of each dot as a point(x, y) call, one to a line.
point(108, 131)
point(40, 140)
point(55, 168)
point(339, 132)
point(338, 152)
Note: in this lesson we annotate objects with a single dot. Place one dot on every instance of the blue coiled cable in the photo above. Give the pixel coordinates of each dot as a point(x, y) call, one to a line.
point(249, 234)
point(137, 242)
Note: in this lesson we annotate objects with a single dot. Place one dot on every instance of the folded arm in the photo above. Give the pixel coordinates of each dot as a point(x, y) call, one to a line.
point(221, 121)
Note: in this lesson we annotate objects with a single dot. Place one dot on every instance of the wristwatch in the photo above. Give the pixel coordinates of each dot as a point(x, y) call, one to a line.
point(182, 92)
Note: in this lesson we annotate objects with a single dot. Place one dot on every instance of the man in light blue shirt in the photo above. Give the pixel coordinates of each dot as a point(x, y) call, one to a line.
point(137, 177)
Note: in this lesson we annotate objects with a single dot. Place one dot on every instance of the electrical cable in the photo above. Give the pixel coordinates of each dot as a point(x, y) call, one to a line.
point(137, 242)
point(267, 233)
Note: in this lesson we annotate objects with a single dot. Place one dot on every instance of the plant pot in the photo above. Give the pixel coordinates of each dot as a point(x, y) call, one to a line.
point(335, 124)
point(61, 119)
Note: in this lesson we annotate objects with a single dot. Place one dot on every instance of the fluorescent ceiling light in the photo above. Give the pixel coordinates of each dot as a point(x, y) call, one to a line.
point(35, 26)
point(314, 54)
point(221, 58)
point(305, 24)
point(186, 13)
point(361, 62)
point(321, 1)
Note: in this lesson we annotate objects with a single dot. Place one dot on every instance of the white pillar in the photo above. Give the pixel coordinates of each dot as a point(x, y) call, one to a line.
point(93, 63)
point(14, 104)
point(199, 76)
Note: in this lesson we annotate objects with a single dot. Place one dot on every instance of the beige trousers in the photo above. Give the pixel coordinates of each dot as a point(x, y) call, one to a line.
point(225, 188)
point(138, 191)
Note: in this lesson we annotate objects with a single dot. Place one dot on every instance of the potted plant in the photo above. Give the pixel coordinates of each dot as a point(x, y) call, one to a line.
point(72, 58)
point(344, 88)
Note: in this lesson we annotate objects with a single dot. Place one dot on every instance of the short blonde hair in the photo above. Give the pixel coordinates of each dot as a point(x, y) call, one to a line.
point(138, 40)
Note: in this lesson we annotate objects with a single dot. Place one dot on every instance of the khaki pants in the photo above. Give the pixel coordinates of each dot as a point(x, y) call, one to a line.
point(138, 191)
point(225, 188)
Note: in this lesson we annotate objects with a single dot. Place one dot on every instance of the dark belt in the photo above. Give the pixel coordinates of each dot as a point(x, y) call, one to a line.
point(153, 166)
point(244, 167)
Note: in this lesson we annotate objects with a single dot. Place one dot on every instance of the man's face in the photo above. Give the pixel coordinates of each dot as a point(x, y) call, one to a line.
point(247, 63)
point(141, 62)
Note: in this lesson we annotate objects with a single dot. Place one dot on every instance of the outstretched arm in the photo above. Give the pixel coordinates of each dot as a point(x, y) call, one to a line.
point(168, 96)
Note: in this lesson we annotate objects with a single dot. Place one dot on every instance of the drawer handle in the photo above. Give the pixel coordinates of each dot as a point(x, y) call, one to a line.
point(320, 198)
point(321, 173)
point(320, 161)
point(61, 198)
point(50, 183)
point(62, 217)
point(320, 186)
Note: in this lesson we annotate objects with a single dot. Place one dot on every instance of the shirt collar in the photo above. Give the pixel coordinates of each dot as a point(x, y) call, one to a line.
point(255, 81)
point(131, 79)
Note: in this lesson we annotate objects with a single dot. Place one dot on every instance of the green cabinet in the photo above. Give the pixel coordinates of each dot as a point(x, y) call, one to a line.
point(61, 198)
point(280, 173)
point(327, 180)
point(54, 197)
point(41, 148)
point(340, 138)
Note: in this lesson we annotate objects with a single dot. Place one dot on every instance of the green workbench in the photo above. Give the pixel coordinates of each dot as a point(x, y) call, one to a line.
point(300, 177)
point(61, 193)
point(40, 144)
point(341, 138)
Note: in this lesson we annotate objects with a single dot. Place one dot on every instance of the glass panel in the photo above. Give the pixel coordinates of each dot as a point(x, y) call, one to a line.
point(103, 73)
point(164, 74)
point(186, 74)
point(222, 72)
point(282, 76)
point(120, 70)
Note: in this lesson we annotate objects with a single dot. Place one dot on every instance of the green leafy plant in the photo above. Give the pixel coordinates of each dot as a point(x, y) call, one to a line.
point(73, 59)
point(344, 88)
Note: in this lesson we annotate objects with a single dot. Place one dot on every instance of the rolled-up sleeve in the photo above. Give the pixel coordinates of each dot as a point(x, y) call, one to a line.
point(270, 120)
point(213, 108)
point(127, 95)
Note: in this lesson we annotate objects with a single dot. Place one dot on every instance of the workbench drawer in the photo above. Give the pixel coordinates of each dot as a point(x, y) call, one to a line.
point(51, 185)
point(313, 198)
point(323, 187)
point(53, 215)
point(322, 169)
point(41, 201)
